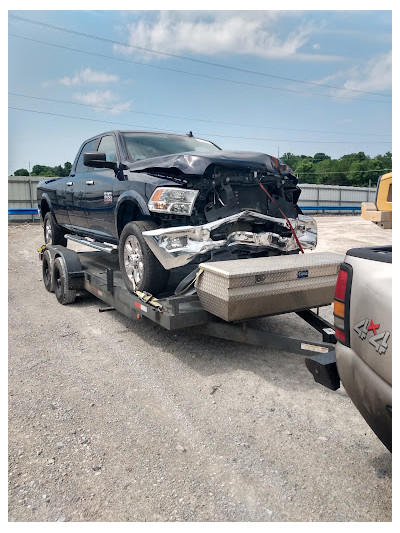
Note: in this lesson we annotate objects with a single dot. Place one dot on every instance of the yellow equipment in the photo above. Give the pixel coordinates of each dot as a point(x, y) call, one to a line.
point(380, 212)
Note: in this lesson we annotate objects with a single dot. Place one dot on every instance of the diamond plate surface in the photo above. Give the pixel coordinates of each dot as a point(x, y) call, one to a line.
point(246, 288)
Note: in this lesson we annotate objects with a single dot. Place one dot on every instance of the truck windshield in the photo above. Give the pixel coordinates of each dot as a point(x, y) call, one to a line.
point(145, 145)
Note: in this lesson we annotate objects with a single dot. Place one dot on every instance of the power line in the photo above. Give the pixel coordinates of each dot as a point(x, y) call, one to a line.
point(237, 69)
point(345, 171)
point(248, 84)
point(191, 118)
point(210, 63)
point(207, 134)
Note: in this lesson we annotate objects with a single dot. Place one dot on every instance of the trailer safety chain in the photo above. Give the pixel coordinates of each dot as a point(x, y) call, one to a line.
point(41, 250)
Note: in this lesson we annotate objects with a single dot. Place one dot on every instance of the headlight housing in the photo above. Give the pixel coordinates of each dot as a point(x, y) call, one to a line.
point(173, 200)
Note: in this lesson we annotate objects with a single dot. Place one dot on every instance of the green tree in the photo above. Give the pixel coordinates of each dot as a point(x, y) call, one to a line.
point(41, 170)
point(356, 174)
point(67, 168)
point(305, 171)
point(320, 156)
point(385, 161)
point(323, 172)
point(21, 172)
point(290, 159)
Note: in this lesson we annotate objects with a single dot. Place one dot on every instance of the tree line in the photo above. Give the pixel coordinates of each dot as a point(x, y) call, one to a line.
point(45, 171)
point(357, 169)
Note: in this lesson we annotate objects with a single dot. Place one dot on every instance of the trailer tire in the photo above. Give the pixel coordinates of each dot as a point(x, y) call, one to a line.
point(47, 273)
point(53, 234)
point(60, 282)
point(137, 262)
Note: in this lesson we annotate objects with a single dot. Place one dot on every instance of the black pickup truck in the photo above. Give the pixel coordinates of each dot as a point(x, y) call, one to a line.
point(168, 200)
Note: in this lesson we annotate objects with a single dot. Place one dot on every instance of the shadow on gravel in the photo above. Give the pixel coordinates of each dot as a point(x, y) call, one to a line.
point(212, 356)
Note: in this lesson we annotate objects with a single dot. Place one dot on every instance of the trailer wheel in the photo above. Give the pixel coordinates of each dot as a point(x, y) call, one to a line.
point(137, 262)
point(60, 283)
point(46, 271)
point(53, 234)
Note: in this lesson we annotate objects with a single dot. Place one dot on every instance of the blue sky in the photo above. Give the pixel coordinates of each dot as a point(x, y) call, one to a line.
point(268, 81)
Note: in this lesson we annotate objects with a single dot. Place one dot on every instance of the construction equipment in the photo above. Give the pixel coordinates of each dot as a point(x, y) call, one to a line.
point(380, 212)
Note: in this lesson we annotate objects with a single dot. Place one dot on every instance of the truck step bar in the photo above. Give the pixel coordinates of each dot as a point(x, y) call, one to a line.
point(108, 248)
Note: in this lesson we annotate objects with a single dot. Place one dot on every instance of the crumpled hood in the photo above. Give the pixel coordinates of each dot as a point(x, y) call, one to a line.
point(193, 163)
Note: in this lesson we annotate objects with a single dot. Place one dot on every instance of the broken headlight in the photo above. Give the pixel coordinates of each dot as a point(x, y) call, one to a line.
point(173, 200)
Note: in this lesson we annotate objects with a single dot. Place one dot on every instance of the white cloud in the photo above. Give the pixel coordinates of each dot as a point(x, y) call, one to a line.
point(103, 101)
point(87, 76)
point(375, 75)
point(251, 32)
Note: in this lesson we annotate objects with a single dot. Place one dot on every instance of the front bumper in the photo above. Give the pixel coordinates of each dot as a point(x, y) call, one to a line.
point(175, 247)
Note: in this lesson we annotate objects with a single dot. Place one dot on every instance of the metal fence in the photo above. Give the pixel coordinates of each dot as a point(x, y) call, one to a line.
point(22, 195)
point(334, 196)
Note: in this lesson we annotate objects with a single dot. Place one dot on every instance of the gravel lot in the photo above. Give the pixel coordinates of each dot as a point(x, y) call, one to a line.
point(114, 421)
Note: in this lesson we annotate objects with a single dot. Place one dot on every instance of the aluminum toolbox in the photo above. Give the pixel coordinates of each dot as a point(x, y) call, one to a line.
point(245, 288)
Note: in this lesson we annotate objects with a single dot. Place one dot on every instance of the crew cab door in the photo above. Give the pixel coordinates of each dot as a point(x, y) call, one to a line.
point(98, 196)
point(75, 187)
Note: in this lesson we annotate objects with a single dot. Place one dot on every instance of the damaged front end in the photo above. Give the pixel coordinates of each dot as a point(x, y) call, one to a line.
point(244, 231)
point(225, 205)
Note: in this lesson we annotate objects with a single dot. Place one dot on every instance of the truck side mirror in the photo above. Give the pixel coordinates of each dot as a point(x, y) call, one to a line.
point(97, 160)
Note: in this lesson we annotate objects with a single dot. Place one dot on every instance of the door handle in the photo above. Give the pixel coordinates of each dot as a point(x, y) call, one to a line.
point(69, 183)
point(90, 182)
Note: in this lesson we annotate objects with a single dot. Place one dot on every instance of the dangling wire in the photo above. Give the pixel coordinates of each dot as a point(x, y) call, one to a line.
point(284, 216)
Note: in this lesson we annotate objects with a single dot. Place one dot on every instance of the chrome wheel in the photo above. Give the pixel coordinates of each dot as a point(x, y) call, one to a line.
point(133, 259)
point(48, 232)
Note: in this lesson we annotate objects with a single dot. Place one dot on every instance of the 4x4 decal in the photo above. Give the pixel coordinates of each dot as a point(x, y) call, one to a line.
point(379, 340)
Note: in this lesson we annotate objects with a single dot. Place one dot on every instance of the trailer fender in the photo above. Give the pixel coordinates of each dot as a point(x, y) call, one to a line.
point(73, 265)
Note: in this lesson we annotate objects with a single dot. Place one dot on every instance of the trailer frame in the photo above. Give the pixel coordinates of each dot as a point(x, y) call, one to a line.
point(97, 272)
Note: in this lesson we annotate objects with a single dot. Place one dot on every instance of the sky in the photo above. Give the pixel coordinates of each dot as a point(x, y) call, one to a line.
point(299, 81)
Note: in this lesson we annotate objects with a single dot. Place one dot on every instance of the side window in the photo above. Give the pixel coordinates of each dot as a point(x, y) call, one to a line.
point(90, 146)
point(107, 146)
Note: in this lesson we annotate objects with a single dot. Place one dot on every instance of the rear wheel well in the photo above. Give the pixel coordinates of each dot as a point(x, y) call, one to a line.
point(44, 207)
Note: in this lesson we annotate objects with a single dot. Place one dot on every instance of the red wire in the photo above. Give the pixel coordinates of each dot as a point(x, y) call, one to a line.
point(284, 216)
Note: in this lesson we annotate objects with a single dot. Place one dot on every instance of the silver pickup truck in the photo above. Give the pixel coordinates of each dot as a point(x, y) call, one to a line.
point(363, 328)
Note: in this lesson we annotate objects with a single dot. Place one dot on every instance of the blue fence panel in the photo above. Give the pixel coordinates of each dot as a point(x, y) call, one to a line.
point(23, 211)
point(323, 208)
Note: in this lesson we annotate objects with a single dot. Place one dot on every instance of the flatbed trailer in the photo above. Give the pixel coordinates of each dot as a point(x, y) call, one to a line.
point(67, 272)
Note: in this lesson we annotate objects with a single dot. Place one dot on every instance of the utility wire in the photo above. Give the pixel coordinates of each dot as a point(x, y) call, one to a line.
point(191, 118)
point(207, 134)
point(248, 84)
point(344, 171)
point(167, 54)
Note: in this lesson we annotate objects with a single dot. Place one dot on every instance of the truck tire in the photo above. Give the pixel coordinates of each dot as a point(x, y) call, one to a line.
point(47, 273)
point(137, 262)
point(53, 234)
point(60, 283)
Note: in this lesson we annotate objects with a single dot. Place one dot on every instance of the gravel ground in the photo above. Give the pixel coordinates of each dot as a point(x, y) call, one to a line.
point(114, 421)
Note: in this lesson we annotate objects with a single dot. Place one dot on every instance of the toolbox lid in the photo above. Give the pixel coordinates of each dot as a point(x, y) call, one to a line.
point(275, 264)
